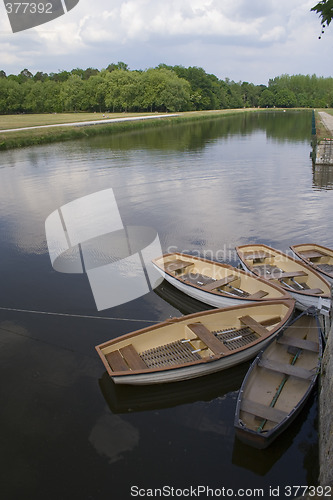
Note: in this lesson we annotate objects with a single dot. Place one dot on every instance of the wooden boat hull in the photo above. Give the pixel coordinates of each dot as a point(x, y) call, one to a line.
point(318, 257)
point(255, 290)
point(304, 284)
point(279, 383)
point(195, 345)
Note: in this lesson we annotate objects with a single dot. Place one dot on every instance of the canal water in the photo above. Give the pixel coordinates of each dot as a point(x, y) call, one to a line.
point(66, 431)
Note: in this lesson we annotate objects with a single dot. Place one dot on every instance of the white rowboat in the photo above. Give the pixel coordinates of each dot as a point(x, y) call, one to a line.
point(194, 345)
point(219, 285)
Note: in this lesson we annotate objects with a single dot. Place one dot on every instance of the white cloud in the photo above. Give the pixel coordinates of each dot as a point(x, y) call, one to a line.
point(226, 37)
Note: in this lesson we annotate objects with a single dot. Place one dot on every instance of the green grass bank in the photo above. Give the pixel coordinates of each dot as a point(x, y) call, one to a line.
point(57, 133)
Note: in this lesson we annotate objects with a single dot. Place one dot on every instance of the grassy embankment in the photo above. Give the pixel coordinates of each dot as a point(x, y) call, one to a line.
point(22, 138)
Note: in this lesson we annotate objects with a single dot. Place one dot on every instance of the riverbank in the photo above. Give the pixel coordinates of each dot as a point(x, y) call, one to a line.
point(18, 131)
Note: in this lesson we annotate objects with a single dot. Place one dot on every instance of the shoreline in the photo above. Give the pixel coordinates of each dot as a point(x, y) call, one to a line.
point(19, 137)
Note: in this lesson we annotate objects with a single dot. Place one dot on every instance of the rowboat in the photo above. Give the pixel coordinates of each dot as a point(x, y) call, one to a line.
point(318, 257)
point(194, 345)
point(219, 285)
point(303, 283)
point(279, 383)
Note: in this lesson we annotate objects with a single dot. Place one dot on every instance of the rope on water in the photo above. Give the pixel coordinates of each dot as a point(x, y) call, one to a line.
point(11, 309)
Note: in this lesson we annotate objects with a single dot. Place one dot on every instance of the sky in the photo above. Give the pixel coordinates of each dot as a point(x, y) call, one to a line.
point(243, 40)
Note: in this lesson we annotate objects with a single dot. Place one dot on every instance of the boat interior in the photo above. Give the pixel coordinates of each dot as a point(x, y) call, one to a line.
point(282, 376)
point(216, 278)
point(280, 268)
point(196, 338)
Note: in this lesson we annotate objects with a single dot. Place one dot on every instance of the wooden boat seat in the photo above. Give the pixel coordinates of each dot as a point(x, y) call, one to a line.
point(132, 358)
point(311, 254)
point(258, 295)
point(196, 279)
point(219, 283)
point(288, 274)
point(286, 369)
point(208, 338)
point(311, 291)
point(177, 265)
point(116, 361)
point(254, 325)
point(263, 411)
point(307, 345)
point(256, 255)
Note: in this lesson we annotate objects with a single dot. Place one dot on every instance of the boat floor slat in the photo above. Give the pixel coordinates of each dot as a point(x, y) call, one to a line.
point(235, 339)
point(300, 343)
point(263, 411)
point(287, 369)
point(171, 354)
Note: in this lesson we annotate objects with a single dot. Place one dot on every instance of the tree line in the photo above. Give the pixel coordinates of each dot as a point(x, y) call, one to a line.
point(164, 88)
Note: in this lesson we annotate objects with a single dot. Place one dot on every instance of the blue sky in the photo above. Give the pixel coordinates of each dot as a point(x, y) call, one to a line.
point(243, 40)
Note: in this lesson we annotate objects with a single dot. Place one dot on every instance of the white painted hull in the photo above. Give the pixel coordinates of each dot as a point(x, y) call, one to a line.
point(186, 373)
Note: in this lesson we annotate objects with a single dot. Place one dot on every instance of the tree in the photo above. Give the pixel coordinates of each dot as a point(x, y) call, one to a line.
point(267, 99)
point(285, 98)
point(325, 10)
point(74, 94)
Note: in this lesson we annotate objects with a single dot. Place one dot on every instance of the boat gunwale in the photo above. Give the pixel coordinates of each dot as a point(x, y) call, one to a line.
point(284, 293)
point(298, 262)
point(289, 303)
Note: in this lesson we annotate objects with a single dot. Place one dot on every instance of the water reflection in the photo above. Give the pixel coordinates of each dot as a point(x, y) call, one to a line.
point(123, 399)
point(322, 177)
point(204, 187)
point(112, 436)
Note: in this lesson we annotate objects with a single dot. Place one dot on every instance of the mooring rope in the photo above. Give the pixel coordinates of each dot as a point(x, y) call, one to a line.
point(84, 316)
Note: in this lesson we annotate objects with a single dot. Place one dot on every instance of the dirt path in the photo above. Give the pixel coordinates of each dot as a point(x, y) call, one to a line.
point(327, 120)
point(95, 122)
